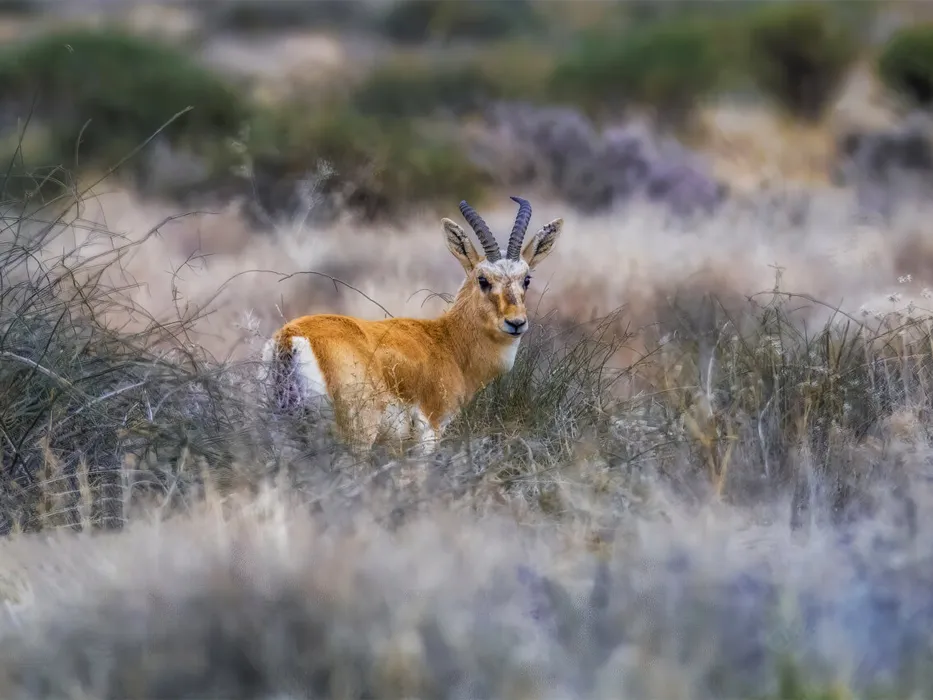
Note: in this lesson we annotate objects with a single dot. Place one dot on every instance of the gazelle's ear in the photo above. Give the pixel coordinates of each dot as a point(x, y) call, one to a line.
point(460, 245)
point(541, 244)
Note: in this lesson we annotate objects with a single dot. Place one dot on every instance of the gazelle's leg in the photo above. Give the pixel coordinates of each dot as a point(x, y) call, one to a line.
point(427, 436)
point(362, 411)
point(358, 428)
point(396, 426)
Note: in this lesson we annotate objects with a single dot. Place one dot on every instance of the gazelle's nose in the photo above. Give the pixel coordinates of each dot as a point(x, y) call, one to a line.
point(515, 326)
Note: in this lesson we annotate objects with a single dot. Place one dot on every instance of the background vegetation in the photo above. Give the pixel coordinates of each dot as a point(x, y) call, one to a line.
point(676, 447)
point(94, 93)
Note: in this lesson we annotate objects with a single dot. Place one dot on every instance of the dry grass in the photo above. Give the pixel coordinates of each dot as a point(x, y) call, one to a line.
point(746, 159)
point(751, 146)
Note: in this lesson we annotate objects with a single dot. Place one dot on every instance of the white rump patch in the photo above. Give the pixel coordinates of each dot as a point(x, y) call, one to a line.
point(301, 382)
point(307, 370)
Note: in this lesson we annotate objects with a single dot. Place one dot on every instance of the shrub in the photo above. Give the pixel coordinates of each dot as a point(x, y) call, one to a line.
point(77, 396)
point(406, 89)
point(276, 15)
point(411, 87)
point(906, 64)
point(20, 7)
point(594, 170)
point(668, 66)
point(379, 166)
point(642, 11)
point(113, 90)
point(798, 55)
point(414, 21)
point(517, 70)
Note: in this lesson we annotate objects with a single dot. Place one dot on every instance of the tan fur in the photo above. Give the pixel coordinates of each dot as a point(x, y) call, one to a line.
point(421, 370)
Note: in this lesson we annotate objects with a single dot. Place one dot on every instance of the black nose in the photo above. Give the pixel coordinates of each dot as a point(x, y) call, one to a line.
point(515, 324)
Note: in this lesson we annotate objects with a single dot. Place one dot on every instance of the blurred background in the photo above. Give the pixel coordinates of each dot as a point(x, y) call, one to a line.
point(378, 108)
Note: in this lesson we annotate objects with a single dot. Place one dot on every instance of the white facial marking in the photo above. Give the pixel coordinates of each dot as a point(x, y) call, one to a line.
point(507, 276)
point(510, 268)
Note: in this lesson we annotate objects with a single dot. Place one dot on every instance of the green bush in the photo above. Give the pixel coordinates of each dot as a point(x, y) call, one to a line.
point(641, 11)
point(667, 65)
point(799, 54)
point(19, 7)
point(112, 91)
point(905, 64)
point(415, 21)
point(381, 166)
point(407, 89)
point(276, 15)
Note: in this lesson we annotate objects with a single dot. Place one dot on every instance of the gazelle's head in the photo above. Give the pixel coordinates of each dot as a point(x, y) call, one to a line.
point(494, 289)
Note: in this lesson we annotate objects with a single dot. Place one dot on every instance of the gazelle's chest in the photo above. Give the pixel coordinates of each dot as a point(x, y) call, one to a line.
point(494, 360)
point(507, 355)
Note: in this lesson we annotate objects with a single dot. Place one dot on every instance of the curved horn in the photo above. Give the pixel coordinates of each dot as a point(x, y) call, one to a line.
point(482, 232)
point(518, 230)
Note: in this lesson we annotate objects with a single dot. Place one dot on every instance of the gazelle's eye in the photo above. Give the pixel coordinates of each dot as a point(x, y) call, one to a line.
point(483, 283)
point(527, 281)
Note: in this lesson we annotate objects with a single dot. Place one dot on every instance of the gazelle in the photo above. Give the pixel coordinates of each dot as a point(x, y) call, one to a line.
point(406, 377)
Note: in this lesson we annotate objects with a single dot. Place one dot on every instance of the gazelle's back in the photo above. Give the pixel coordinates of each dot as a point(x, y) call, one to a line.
point(369, 369)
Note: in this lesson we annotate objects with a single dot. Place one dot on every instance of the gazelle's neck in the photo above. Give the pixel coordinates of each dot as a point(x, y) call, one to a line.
point(481, 354)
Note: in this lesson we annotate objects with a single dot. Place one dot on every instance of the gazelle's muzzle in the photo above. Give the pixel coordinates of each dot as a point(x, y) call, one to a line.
point(515, 326)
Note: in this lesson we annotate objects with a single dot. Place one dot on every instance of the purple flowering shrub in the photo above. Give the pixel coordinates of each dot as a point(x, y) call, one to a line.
point(595, 170)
